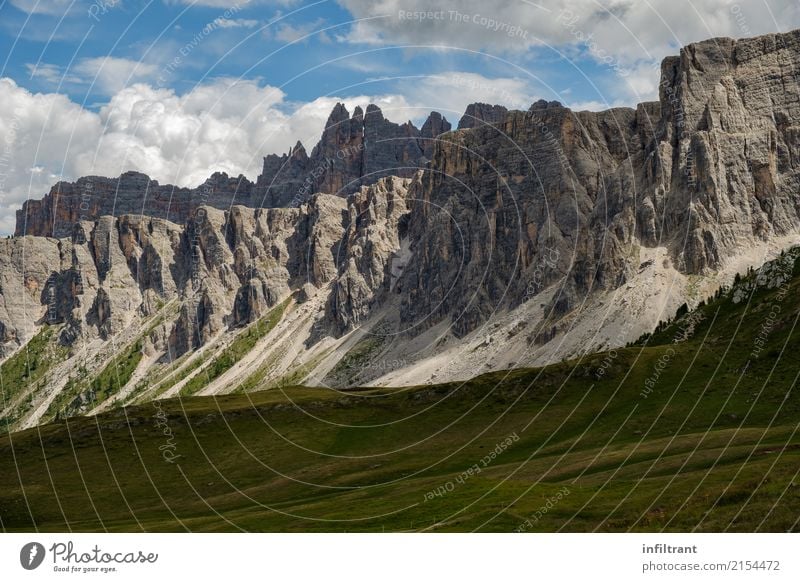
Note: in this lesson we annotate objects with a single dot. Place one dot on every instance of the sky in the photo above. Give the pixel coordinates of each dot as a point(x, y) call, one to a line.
point(179, 89)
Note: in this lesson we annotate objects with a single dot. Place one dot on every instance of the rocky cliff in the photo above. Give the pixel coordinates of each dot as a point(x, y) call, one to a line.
point(352, 151)
point(520, 238)
point(531, 198)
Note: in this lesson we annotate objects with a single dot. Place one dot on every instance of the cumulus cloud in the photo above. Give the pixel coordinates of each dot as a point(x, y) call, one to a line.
point(38, 131)
point(225, 125)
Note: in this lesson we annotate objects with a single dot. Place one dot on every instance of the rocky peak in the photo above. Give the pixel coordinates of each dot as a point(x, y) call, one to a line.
point(433, 127)
point(542, 104)
point(478, 114)
point(298, 152)
point(373, 114)
point(338, 115)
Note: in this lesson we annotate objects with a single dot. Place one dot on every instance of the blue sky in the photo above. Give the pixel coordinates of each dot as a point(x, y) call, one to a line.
point(181, 88)
point(298, 47)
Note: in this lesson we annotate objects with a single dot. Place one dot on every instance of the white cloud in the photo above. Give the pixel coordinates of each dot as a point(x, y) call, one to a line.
point(226, 125)
point(38, 131)
point(48, 7)
point(288, 33)
point(451, 92)
point(50, 74)
point(232, 5)
point(622, 34)
point(641, 82)
point(112, 74)
point(235, 23)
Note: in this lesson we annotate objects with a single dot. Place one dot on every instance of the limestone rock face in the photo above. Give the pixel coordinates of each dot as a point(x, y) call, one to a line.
point(38, 285)
point(433, 127)
point(553, 195)
point(208, 318)
point(100, 314)
point(133, 193)
point(724, 164)
point(519, 205)
point(284, 179)
point(371, 239)
point(226, 269)
point(546, 207)
point(250, 303)
point(353, 151)
point(396, 149)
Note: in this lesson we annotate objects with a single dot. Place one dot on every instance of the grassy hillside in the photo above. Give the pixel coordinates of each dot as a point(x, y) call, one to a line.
point(243, 344)
point(693, 428)
point(82, 392)
point(26, 372)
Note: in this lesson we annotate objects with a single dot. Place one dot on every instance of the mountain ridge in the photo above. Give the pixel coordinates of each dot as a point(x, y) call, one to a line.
point(351, 151)
point(527, 238)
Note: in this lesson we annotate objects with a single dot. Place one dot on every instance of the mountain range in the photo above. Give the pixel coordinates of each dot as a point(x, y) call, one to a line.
point(397, 256)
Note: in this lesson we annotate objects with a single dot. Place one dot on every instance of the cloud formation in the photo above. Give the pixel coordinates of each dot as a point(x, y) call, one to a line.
point(105, 75)
point(629, 30)
point(224, 125)
point(625, 36)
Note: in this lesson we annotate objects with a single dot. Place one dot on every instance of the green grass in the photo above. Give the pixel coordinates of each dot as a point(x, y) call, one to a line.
point(239, 348)
point(81, 394)
point(27, 367)
point(713, 446)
